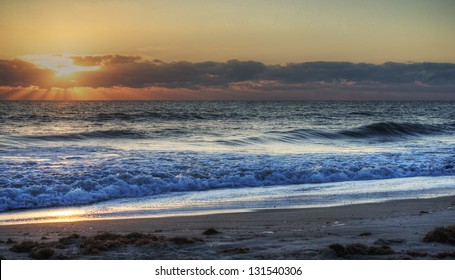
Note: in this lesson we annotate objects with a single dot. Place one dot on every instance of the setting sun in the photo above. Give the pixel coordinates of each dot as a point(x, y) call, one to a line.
point(61, 64)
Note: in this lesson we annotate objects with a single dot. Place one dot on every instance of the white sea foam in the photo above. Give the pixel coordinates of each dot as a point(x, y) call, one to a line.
point(75, 175)
point(245, 199)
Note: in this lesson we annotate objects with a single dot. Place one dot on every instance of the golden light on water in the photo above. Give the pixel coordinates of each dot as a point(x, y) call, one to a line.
point(61, 64)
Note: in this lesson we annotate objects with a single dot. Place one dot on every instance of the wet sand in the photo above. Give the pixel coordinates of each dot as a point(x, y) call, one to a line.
point(388, 230)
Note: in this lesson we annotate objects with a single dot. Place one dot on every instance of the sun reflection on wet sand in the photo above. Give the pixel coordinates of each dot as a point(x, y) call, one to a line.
point(44, 216)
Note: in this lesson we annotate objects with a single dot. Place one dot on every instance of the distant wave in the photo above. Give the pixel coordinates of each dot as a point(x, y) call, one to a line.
point(392, 129)
point(383, 131)
point(97, 134)
point(389, 131)
point(142, 116)
point(148, 116)
point(361, 114)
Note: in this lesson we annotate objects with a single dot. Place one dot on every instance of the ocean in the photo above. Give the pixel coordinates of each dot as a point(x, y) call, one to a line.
point(108, 159)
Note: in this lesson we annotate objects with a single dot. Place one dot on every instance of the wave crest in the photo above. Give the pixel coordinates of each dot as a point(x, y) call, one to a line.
point(383, 131)
point(97, 134)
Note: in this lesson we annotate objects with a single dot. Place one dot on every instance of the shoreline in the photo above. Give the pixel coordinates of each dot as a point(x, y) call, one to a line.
point(226, 200)
point(304, 233)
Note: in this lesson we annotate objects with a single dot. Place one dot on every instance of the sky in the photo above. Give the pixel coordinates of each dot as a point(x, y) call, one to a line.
point(249, 49)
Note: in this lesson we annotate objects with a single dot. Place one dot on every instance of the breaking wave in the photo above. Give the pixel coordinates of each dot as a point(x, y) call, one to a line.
point(72, 176)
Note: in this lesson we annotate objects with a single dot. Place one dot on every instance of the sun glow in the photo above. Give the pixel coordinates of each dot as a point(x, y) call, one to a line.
point(61, 64)
point(45, 216)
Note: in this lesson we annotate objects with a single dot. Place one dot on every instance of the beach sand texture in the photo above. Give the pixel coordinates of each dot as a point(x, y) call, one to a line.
point(389, 230)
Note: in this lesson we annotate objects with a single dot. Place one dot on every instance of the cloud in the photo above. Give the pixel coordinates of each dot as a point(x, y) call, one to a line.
point(309, 80)
point(103, 59)
point(390, 72)
point(138, 74)
point(21, 73)
point(134, 73)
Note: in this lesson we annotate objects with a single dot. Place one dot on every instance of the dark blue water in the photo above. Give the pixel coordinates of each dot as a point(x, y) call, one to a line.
point(71, 153)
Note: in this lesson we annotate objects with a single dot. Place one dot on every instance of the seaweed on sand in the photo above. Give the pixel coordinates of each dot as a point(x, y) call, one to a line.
point(441, 235)
point(360, 249)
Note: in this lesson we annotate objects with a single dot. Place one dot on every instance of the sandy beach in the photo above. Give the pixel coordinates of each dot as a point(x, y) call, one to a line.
point(389, 230)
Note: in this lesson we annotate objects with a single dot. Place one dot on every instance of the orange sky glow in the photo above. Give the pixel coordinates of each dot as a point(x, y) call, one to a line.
point(134, 50)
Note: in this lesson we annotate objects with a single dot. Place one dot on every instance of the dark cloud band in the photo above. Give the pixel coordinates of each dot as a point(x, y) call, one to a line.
point(131, 71)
